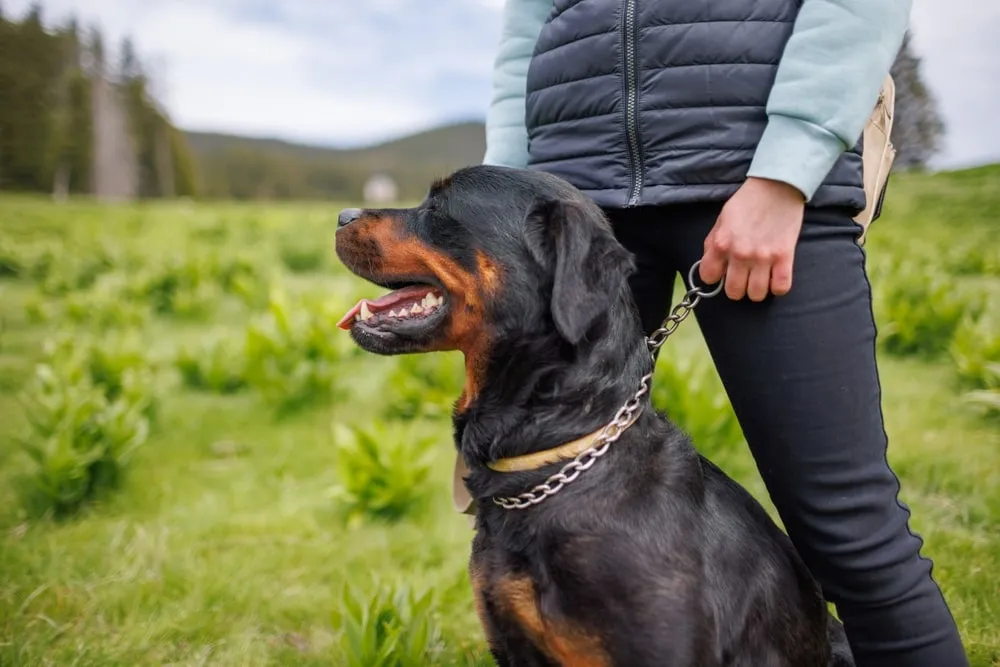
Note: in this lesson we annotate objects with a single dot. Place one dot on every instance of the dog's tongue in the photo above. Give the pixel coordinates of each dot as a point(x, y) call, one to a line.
point(414, 292)
point(347, 320)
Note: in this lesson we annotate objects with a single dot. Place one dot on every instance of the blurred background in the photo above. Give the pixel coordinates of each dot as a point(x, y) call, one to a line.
point(197, 467)
point(305, 100)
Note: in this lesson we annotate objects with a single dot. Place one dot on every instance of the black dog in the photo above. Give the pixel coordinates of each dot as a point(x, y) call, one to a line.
point(652, 556)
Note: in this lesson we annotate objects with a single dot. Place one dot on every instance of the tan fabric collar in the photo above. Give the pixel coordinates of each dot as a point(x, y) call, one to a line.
point(463, 500)
point(564, 452)
point(537, 460)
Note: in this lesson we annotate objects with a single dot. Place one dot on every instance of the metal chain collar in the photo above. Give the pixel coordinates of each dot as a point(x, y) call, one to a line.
point(625, 416)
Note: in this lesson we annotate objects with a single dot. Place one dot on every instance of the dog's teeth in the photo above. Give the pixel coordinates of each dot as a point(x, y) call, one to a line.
point(392, 313)
point(440, 300)
point(416, 309)
point(366, 314)
point(428, 301)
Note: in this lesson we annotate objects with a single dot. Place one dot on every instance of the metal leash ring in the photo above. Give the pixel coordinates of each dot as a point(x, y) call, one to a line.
point(698, 290)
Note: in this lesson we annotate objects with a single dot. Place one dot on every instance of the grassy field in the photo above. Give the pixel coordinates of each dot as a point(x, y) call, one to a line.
point(252, 524)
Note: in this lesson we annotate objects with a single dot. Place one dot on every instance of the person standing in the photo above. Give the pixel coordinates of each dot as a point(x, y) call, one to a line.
point(728, 131)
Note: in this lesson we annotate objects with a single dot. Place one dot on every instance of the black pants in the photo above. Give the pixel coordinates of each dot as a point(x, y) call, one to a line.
point(801, 374)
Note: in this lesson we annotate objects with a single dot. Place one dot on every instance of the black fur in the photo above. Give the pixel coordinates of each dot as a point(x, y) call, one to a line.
point(653, 555)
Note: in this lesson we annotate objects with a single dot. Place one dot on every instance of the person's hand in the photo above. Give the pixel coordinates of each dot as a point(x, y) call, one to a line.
point(753, 241)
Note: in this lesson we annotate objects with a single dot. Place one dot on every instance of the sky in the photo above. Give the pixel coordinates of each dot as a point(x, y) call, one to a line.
point(354, 72)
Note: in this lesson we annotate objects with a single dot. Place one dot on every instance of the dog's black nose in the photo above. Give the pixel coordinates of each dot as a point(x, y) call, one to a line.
point(347, 216)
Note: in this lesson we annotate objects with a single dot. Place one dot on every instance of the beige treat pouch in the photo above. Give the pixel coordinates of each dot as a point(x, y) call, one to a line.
point(878, 156)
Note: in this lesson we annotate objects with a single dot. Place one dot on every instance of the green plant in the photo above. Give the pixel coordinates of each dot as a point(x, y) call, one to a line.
point(975, 348)
point(105, 305)
point(39, 310)
point(301, 253)
point(382, 471)
point(79, 440)
point(920, 308)
point(241, 276)
point(229, 270)
point(118, 364)
point(78, 269)
point(975, 257)
point(423, 386)
point(214, 231)
point(253, 229)
point(392, 628)
point(184, 287)
point(988, 400)
point(219, 366)
point(11, 264)
point(192, 286)
point(293, 349)
point(25, 260)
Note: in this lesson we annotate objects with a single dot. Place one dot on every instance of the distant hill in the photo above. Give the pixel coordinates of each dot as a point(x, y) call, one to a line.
point(237, 167)
point(247, 168)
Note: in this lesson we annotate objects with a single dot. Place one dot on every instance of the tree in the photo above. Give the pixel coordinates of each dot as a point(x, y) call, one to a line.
point(63, 141)
point(129, 67)
point(917, 129)
point(34, 17)
point(74, 119)
point(29, 64)
point(97, 51)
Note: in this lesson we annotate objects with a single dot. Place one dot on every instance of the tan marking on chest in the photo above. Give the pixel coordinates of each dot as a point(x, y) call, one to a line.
point(567, 644)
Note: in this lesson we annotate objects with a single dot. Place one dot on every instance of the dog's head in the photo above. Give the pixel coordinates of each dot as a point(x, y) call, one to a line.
point(492, 256)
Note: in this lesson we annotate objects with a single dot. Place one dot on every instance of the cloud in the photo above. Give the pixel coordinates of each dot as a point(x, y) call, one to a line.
point(958, 44)
point(349, 72)
point(332, 72)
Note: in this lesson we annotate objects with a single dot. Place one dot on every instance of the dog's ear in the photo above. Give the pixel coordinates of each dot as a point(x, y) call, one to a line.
point(588, 265)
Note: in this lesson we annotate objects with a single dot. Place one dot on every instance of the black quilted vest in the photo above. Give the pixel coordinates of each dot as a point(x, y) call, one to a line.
point(650, 102)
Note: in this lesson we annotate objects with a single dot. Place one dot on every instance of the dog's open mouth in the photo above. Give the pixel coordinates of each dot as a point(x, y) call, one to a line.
point(409, 311)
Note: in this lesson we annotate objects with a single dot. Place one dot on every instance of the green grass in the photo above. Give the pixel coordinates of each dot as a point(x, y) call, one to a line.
point(226, 545)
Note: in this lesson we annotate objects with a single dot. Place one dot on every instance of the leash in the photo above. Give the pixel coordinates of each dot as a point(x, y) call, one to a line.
point(626, 415)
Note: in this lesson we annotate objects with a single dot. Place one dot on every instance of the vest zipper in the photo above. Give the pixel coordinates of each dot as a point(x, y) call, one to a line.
point(631, 100)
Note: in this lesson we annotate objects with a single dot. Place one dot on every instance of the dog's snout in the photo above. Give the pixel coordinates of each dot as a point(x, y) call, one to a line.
point(347, 216)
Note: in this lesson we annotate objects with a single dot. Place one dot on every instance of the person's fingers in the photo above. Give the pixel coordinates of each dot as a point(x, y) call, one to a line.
point(713, 262)
point(737, 274)
point(781, 274)
point(759, 281)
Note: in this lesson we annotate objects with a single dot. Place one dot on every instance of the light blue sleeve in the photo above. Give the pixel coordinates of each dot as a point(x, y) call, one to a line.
point(826, 86)
point(506, 136)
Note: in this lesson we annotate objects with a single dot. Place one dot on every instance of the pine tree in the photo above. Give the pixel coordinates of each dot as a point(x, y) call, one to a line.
point(917, 129)
point(64, 131)
point(71, 120)
point(29, 60)
point(129, 67)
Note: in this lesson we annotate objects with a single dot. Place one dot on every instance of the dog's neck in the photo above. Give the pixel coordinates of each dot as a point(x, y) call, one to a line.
point(539, 392)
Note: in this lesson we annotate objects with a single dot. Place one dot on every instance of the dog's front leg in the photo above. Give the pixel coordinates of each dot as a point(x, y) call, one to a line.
point(515, 650)
point(509, 645)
